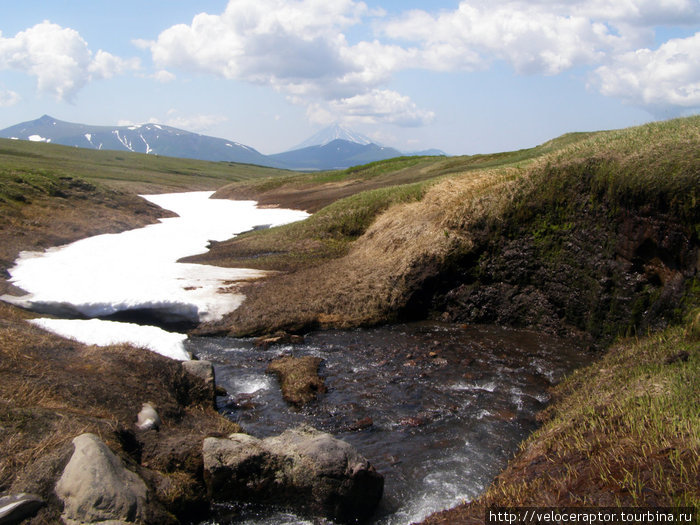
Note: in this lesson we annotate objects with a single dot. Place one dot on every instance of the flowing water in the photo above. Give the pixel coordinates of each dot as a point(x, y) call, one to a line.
point(437, 409)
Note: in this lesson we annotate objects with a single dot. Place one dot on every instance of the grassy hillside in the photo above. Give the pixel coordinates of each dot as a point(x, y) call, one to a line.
point(346, 202)
point(133, 171)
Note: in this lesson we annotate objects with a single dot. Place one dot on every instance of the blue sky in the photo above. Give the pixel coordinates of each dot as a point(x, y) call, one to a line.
point(468, 77)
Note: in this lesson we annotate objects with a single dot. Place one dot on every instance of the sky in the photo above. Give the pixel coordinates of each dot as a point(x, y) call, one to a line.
point(475, 76)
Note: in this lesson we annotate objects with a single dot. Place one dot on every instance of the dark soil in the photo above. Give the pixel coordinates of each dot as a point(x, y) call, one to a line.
point(590, 276)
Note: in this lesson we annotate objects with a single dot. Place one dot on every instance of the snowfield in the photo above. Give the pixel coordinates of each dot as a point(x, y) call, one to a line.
point(138, 269)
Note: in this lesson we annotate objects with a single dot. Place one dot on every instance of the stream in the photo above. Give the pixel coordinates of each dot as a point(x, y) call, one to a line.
point(437, 409)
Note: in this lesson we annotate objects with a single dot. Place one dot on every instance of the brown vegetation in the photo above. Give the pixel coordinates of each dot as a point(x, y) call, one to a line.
point(298, 377)
point(52, 390)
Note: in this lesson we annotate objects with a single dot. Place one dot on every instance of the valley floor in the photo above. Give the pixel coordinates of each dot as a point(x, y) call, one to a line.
point(595, 240)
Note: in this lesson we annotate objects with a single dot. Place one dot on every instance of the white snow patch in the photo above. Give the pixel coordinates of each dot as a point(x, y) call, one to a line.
point(124, 141)
point(104, 333)
point(38, 138)
point(243, 146)
point(138, 269)
point(148, 148)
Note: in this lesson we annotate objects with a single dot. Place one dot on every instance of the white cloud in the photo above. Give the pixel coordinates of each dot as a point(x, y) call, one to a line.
point(300, 47)
point(266, 41)
point(382, 105)
point(664, 78)
point(163, 75)
point(59, 58)
point(8, 98)
point(534, 37)
point(647, 13)
point(198, 123)
point(297, 47)
point(106, 65)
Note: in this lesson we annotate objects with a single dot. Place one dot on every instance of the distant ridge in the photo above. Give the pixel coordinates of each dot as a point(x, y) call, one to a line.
point(152, 139)
point(334, 147)
point(336, 154)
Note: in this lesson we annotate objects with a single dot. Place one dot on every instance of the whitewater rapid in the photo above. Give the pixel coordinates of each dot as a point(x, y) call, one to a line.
point(137, 270)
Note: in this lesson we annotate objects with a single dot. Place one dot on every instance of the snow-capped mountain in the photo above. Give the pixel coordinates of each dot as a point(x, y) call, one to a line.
point(334, 147)
point(152, 139)
point(334, 132)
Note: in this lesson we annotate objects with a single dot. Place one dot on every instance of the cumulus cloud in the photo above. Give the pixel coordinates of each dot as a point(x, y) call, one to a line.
point(59, 58)
point(8, 98)
point(551, 36)
point(163, 76)
point(639, 12)
point(298, 47)
point(106, 65)
point(663, 78)
point(267, 41)
point(534, 37)
point(382, 105)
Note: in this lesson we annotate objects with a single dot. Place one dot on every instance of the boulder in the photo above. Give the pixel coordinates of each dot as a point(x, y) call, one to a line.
point(97, 487)
point(304, 469)
point(204, 371)
point(298, 377)
point(16, 507)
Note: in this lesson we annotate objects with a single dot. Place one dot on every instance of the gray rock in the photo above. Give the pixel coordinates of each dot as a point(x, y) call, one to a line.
point(16, 507)
point(96, 487)
point(303, 468)
point(203, 370)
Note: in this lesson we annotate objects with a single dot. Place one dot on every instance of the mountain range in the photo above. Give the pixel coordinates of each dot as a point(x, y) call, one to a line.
point(334, 147)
